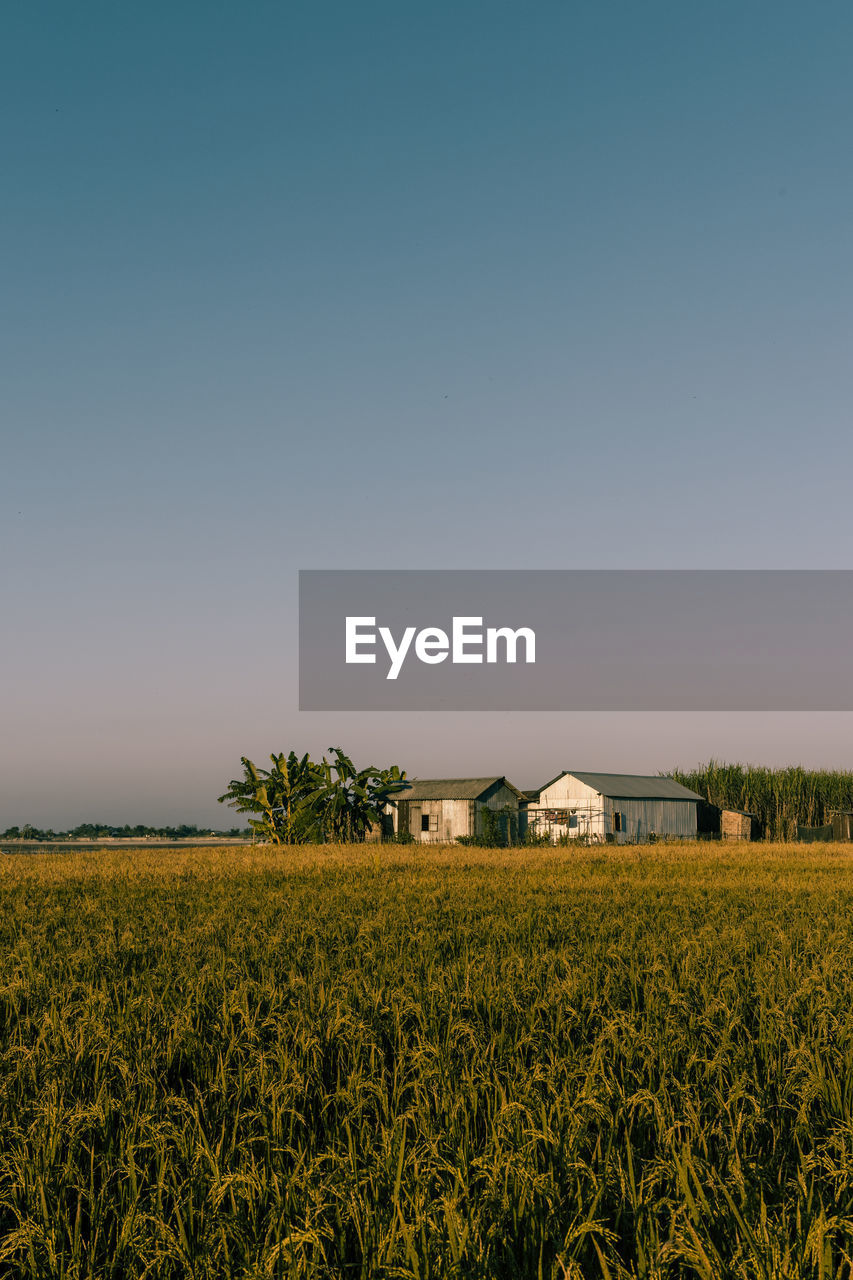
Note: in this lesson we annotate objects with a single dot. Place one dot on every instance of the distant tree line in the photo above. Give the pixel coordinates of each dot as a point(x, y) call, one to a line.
point(102, 831)
point(781, 799)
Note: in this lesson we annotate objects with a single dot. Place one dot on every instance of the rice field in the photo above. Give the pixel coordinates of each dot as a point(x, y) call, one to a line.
point(379, 1062)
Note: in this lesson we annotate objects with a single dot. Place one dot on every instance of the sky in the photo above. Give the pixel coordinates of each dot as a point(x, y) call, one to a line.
point(445, 285)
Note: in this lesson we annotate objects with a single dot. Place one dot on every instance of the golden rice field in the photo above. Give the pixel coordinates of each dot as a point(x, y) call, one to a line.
point(378, 1062)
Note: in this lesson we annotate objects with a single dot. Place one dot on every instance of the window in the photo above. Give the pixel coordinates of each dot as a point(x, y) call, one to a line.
point(429, 822)
point(424, 822)
point(573, 821)
point(617, 821)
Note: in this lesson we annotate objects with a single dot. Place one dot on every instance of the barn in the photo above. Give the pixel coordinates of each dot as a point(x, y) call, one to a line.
point(623, 808)
point(439, 810)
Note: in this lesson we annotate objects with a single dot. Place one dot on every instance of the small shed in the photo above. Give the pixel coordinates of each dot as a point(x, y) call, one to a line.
point(718, 823)
point(623, 808)
point(737, 824)
point(439, 810)
point(842, 823)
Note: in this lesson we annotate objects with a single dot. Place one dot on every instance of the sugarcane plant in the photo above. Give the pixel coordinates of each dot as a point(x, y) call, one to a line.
point(782, 799)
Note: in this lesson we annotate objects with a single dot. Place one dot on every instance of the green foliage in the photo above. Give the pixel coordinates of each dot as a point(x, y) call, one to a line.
point(297, 800)
point(782, 799)
point(498, 829)
point(536, 839)
point(275, 795)
point(468, 1065)
point(346, 802)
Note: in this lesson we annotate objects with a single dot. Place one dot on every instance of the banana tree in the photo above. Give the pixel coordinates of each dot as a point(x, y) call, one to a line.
point(346, 802)
point(276, 795)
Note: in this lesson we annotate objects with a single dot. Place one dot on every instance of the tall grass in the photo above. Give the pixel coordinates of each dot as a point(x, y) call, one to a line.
point(430, 1063)
point(781, 798)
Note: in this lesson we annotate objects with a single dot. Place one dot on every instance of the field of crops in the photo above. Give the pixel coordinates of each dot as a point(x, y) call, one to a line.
point(382, 1062)
point(781, 799)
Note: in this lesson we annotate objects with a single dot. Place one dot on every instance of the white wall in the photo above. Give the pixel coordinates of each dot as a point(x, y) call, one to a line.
point(452, 818)
point(569, 792)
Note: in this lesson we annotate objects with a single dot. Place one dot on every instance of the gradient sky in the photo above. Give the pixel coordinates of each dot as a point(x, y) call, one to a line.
point(444, 285)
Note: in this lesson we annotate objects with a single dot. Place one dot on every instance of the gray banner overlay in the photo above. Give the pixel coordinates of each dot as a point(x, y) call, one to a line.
point(585, 640)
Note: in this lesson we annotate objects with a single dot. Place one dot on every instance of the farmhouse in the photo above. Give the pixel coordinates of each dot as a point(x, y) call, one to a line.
point(435, 811)
point(624, 808)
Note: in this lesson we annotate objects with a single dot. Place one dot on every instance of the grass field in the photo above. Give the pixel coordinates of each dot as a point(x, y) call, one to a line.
point(382, 1062)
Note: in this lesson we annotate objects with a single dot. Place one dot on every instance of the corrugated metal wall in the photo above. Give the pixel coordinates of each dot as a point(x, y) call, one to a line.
point(642, 818)
point(449, 819)
point(499, 800)
point(594, 813)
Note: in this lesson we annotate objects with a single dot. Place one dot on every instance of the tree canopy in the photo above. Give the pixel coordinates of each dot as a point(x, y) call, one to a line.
point(299, 801)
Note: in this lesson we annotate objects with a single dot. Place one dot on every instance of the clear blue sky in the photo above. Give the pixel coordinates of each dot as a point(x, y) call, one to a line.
point(381, 285)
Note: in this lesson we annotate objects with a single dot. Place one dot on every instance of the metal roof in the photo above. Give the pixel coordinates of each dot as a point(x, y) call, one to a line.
point(629, 786)
point(451, 788)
